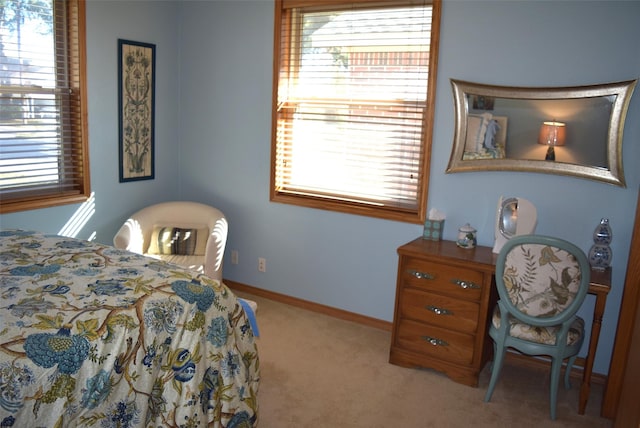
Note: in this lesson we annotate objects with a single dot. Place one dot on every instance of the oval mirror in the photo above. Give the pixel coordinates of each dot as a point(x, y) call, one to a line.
point(575, 131)
point(508, 217)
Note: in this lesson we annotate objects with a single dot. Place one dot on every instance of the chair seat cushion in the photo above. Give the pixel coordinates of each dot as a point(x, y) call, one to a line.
point(191, 262)
point(544, 335)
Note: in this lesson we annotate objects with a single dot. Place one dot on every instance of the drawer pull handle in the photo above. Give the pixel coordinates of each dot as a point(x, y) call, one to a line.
point(421, 275)
point(438, 311)
point(465, 284)
point(435, 341)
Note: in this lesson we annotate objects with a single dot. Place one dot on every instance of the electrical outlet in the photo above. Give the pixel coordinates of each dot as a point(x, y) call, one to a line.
point(262, 264)
point(234, 257)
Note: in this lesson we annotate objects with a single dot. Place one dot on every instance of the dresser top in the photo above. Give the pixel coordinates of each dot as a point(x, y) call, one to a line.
point(481, 257)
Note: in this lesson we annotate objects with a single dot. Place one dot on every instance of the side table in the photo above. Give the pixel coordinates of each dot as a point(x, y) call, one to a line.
point(599, 286)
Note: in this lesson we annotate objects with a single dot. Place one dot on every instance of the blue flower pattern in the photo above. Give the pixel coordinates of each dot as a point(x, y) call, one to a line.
point(183, 366)
point(112, 323)
point(62, 349)
point(241, 420)
point(14, 377)
point(56, 289)
point(162, 316)
point(86, 271)
point(97, 390)
point(108, 287)
point(122, 415)
point(30, 306)
point(210, 382)
point(231, 365)
point(217, 334)
point(194, 292)
point(34, 270)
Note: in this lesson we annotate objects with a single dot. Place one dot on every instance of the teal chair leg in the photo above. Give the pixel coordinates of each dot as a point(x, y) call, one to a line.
point(495, 352)
point(498, 357)
point(556, 367)
point(567, 373)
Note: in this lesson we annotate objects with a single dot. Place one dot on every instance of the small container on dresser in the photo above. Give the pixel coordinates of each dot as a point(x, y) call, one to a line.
point(443, 297)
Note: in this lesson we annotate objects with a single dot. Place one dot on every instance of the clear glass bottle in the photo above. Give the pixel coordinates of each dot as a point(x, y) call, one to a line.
point(600, 253)
point(603, 235)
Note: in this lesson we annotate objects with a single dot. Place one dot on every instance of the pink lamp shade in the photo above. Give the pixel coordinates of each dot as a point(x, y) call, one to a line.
point(552, 134)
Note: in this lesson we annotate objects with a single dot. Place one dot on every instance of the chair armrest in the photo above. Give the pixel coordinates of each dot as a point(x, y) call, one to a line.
point(215, 248)
point(129, 237)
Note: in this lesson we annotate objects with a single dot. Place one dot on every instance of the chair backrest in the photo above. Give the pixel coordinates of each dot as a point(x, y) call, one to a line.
point(135, 234)
point(542, 280)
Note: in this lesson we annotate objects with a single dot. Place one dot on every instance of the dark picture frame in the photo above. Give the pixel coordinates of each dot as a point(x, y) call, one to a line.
point(136, 110)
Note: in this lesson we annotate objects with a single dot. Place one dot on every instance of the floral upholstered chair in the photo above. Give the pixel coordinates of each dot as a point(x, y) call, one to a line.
point(542, 282)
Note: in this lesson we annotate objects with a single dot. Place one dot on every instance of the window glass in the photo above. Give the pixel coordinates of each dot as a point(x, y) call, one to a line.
point(353, 109)
point(43, 146)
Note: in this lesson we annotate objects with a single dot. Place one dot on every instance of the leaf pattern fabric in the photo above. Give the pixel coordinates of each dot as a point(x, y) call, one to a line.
point(541, 281)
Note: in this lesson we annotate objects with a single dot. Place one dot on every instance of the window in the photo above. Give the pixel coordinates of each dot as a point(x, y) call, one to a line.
point(44, 159)
point(353, 105)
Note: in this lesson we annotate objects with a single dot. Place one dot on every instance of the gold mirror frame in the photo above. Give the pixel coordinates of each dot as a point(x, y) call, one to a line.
point(619, 94)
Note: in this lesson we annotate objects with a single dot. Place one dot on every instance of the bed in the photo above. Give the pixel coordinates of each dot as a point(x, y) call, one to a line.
point(94, 336)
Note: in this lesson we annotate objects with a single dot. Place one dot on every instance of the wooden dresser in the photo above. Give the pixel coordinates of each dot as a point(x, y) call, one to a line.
point(443, 296)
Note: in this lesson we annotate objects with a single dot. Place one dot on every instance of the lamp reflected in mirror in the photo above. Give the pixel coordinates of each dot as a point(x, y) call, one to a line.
point(552, 134)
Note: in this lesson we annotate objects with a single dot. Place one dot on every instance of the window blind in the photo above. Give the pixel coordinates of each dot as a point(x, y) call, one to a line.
point(43, 147)
point(352, 104)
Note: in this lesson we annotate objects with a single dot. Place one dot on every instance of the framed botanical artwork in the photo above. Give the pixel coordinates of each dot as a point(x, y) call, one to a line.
point(136, 114)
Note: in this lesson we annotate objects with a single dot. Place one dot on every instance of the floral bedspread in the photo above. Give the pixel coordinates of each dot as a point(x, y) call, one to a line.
point(95, 336)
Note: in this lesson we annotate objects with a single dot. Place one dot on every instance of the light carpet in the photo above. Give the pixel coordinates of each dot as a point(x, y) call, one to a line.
point(319, 371)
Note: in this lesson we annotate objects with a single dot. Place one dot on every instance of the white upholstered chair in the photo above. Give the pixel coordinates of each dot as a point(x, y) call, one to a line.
point(197, 235)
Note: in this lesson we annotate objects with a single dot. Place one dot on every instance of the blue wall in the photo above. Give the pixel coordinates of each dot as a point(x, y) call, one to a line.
point(107, 21)
point(214, 62)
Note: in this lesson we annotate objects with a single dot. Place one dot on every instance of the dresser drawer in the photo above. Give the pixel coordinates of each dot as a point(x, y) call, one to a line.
point(435, 342)
point(439, 310)
point(454, 281)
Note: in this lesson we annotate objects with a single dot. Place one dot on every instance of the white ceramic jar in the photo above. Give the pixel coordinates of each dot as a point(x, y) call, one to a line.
point(466, 236)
